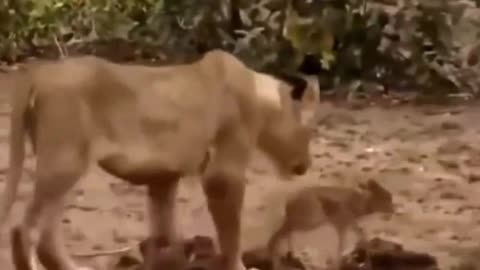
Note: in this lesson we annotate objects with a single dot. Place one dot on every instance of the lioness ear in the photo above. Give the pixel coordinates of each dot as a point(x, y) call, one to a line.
point(298, 84)
point(299, 89)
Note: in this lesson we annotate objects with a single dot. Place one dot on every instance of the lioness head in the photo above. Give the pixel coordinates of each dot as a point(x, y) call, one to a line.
point(288, 104)
point(291, 103)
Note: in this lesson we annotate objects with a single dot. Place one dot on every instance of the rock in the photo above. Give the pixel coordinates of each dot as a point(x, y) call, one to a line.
point(450, 195)
point(473, 177)
point(289, 262)
point(453, 147)
point(448, 164)
point(450, 125)
point(198, 253)
point(172, 257)
point(200, 246)
point(128, 262)
point(383, 255)
point(257, 258)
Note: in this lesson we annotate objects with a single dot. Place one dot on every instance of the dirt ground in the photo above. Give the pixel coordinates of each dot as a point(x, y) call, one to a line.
point(429, 157)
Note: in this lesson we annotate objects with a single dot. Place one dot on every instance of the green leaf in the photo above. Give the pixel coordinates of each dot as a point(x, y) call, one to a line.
point(327, 59)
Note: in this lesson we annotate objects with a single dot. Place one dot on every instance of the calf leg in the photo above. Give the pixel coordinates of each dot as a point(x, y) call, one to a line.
point(341, 233)
point(362, 242)
point(361, 237)
point(274, 243)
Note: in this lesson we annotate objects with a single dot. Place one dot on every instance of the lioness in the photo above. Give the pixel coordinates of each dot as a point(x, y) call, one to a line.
point(149, 126)
point(312, 207)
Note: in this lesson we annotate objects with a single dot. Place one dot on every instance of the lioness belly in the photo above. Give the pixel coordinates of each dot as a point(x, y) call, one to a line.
point(158, 128)
point(145, 159)
point(152, 149)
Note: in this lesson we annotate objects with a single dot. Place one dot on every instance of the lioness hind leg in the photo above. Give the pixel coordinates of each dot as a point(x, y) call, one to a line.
point(163, 225)
point(56, 175)
point(51, 250)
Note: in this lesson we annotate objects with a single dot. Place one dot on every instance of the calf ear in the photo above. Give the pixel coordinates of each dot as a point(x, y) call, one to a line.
point(376, 187)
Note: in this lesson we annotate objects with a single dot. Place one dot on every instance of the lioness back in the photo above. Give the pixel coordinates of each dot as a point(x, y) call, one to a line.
point(168, 115)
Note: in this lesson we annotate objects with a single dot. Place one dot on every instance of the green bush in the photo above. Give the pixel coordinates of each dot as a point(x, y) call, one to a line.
point(410, 44)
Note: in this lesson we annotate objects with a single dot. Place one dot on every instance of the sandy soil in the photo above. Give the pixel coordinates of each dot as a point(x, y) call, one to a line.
point(429, 157)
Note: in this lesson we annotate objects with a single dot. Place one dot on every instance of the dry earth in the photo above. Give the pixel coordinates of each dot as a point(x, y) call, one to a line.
point(429, 157)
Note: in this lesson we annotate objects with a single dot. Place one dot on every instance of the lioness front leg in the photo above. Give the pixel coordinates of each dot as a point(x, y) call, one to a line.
point(224, 186)
point(161, 203)
point(225, 198)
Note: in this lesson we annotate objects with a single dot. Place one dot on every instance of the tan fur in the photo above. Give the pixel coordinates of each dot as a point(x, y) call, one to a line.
point(148, 126)
point(312, 207)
